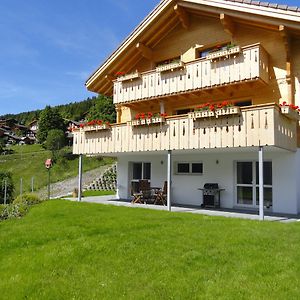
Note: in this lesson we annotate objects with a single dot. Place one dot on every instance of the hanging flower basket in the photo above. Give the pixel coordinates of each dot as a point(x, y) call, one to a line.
point(225, 111)
point(290, 113)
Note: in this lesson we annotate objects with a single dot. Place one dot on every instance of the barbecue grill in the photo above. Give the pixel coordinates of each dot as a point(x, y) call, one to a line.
point(211, 195)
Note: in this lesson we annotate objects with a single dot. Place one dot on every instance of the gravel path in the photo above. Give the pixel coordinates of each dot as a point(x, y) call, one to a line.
point(67, 186)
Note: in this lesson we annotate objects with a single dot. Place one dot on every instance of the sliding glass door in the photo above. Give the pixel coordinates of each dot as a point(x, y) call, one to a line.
point(140, 170)
point(247, 184)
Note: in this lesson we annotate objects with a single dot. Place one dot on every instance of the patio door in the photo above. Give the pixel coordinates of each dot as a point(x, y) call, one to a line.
point(139, 170)
point(247, 184)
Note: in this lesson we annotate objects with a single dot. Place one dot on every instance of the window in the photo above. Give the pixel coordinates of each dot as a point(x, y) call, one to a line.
point(183, 111)
point(247, 183)
point(243, 103)
point(168, 61)
point(141, 170)
point(189, 168)
point(203, 53)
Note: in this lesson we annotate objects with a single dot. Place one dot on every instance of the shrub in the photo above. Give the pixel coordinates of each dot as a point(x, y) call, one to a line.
point(13, 211)
point(27, 199)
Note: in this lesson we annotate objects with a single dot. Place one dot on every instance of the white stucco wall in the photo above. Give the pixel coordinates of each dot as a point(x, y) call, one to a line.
point(286, 190)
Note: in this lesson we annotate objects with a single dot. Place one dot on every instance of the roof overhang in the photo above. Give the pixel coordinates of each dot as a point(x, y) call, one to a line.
point(163, 18)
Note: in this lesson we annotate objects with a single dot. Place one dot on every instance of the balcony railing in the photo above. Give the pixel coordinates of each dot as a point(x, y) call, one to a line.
point(250, 64)
point(253, 126)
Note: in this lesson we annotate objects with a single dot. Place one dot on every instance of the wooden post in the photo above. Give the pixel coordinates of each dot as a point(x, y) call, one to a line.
point(169, 180)
point(79, 177)
point(261, 182)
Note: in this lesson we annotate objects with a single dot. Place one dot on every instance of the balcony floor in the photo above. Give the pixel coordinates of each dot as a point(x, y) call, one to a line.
point(229, 213)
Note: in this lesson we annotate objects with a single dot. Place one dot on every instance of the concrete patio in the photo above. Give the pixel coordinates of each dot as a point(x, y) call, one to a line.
point(241, 214)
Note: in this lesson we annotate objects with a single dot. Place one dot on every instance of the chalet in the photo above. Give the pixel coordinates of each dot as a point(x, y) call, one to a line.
point(206, 91)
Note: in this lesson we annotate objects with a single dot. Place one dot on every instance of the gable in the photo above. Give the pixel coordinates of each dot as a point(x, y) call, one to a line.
point(178, 27)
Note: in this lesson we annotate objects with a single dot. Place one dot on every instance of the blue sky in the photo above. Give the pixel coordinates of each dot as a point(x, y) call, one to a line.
point(50, 47)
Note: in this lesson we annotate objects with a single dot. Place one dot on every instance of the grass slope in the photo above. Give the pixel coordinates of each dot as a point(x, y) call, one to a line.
point(28, 161)
point(68, 250)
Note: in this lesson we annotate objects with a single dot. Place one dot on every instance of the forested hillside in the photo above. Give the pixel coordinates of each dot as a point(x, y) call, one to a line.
point(73, 111)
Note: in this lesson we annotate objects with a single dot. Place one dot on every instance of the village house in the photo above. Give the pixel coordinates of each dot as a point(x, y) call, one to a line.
point(206, 91)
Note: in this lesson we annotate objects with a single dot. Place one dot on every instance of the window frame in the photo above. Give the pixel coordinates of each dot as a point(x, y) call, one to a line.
point(190, 163)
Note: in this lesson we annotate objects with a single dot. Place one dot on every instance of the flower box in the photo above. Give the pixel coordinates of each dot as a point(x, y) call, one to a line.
point(96, 127)
point(158, 120)
point(129, 77)
point(202, 114)
point(170, 67)
point(224, 53)
point(290, 113)
point(232, 110)
point(147, 121)
point(135, 122)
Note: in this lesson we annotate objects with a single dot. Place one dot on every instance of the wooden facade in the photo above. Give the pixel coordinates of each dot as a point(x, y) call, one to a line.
point(171, 63)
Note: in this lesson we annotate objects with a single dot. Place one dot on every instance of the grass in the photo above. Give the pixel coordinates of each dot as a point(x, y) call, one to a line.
point(69, 250)
point(28, 161)
point(97, 193)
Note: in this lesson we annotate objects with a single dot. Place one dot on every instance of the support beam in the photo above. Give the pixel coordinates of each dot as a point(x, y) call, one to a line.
point(287, 44)
point(109, 77)
point(169, 180)
point(183, 16)
point(79, 177)
point(261, 182)
point(145, 51)
point(228, 24)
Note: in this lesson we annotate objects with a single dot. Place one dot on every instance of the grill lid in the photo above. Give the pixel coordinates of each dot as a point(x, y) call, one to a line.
point(211, 186)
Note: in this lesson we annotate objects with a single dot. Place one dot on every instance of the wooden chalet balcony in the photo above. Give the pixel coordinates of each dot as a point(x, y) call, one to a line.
point(247, 64)
point(253, 126)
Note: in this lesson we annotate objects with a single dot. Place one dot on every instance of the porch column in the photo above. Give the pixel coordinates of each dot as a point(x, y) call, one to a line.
point(169, 179)
point(79, 177)
point(261, 182)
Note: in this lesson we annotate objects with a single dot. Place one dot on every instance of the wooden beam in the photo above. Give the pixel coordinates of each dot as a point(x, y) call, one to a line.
point(109, 77)
point(183, 16)
point(228, 24)
point(162, 32)
point(145, 51)
point(286, 38)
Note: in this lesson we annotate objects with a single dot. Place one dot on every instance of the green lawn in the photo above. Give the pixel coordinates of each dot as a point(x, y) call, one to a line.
point(69, 250)
point(28, 161)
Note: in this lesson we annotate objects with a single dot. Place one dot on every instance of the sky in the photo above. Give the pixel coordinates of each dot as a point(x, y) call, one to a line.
point(48, 48)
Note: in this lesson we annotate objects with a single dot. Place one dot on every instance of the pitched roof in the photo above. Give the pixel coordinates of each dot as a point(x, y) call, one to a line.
point(268, 4)
point(288, 16)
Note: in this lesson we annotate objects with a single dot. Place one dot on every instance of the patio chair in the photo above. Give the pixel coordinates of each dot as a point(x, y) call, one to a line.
point(161, 195)
point(144, 194)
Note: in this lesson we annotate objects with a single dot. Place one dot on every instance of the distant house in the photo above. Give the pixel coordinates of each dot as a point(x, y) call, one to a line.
point(33, 126)
point(205, 92)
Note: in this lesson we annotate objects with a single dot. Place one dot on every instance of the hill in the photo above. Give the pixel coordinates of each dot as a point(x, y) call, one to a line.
point(27, 162)
point(72, 111)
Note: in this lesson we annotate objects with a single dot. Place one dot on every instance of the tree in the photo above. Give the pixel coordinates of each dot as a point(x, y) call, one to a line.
point(103, 109)
point(49, 119)
point(55, 139)
point(6, 177)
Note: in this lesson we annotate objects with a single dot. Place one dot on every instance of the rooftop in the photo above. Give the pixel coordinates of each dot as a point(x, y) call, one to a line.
point(268, 4)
